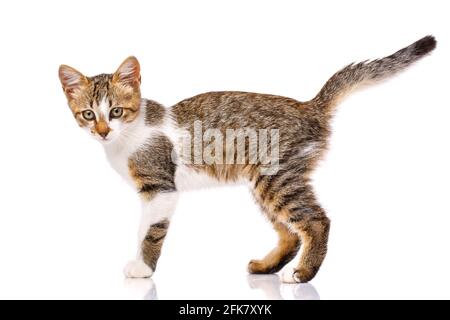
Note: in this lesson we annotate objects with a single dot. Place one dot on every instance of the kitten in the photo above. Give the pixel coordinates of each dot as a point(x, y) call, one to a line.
point(161, 152)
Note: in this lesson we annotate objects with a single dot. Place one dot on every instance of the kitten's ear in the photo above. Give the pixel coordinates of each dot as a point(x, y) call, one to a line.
point(129, 72)
point(71, 80)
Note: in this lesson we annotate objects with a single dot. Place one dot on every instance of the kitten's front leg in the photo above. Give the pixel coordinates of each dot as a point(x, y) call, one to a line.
point(156, 214)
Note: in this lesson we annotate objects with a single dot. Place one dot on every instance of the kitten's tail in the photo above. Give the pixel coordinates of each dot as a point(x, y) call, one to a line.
point(365, 72)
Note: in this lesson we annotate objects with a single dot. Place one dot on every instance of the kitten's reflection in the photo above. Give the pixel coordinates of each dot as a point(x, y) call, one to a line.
point(274, 289)
point(270, 284)
point(145, 288)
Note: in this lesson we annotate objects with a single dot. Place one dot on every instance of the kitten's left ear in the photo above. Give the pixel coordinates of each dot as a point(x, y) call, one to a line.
point(129, 72)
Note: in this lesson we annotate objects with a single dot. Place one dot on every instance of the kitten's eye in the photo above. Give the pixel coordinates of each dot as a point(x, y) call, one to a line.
point(116, 113)
point(88, 115)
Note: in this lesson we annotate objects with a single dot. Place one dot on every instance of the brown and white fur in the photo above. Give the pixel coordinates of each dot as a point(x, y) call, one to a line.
point(141, 139)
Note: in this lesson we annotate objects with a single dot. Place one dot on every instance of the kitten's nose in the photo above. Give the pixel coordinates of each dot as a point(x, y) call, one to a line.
point(102, 128)
point(103, 134)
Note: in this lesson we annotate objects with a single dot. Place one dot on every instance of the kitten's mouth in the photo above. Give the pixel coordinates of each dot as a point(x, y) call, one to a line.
point(105, 140)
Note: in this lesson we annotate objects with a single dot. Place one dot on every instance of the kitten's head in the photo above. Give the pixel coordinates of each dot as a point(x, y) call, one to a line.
point(106, 104)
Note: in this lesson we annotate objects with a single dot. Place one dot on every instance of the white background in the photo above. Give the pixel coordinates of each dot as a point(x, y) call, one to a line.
point(68, 222)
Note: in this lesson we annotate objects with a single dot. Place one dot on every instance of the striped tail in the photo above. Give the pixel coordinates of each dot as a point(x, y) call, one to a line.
point(354, 75)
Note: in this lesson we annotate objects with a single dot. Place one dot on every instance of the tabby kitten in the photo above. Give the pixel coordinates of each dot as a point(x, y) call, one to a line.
point(151, 147)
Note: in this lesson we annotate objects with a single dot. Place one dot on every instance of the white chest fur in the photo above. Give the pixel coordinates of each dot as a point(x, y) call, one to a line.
point(119, 162)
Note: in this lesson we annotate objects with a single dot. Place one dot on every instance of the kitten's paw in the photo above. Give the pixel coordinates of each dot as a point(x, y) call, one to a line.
point(292, 275)
point(257, 267)
point(288, 276)
point(137, 269)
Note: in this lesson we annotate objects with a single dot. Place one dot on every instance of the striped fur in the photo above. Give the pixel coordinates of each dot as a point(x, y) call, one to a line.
point(151, 246)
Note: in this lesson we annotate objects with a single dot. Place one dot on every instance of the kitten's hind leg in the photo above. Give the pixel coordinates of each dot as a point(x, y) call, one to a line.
point(286, 250)
point(290, 200)
point(306, 217)
point(314, 235)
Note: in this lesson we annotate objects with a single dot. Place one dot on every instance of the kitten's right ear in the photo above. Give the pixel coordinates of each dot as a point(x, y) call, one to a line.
point(72, 80)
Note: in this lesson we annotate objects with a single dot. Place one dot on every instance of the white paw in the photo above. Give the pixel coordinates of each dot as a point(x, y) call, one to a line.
point(137, 269)
point(288, 276)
